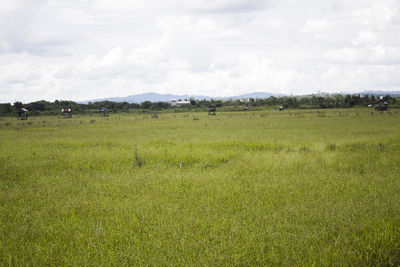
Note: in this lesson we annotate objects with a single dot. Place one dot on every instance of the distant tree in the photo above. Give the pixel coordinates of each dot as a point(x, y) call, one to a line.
point(145, 105)
point(366, 99)
point(160, 105)
point(134, 106)
point(7, 108)
point(18, 105)
point(39, 105)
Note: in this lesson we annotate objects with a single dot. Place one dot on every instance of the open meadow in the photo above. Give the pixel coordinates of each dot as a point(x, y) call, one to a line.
point(298, 187)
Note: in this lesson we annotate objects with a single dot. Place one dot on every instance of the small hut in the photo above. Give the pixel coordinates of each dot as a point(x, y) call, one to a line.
point(381, 104)
point(211, 109)
point(281, 108)
point(22, 114)
point(67, 112)
point(104, 112)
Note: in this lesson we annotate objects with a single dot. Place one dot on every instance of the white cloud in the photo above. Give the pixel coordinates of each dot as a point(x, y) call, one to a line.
point(83, 49)
point(226, 5)
point(376, 15)
point(366, 37)
point(317, 26)
point(18, 73)
point(373, 55)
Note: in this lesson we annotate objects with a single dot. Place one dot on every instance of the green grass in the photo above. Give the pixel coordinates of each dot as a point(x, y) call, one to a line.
point(243, 188)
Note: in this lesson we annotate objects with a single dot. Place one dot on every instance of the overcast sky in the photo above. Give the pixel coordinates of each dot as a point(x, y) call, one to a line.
point(86, 49)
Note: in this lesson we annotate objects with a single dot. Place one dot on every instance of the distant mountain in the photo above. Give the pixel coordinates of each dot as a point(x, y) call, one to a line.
point(381, 93)
point(154, 97)
point(255, 95)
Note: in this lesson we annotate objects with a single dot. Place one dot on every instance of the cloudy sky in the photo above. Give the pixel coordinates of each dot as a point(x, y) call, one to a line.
point(85, 49)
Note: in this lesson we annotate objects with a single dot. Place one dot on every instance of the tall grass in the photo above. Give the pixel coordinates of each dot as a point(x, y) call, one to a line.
point(238, 188)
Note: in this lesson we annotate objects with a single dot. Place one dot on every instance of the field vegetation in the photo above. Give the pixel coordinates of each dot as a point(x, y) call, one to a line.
point(43, 107)
point(297, 187)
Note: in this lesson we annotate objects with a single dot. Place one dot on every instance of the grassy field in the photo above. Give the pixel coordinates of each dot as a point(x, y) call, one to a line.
point(243, 188)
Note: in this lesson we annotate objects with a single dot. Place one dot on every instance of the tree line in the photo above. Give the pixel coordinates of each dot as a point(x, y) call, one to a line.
point(299, 102)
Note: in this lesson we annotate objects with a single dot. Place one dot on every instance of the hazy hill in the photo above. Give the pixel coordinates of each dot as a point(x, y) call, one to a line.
point(381, 93)
point(154, 97)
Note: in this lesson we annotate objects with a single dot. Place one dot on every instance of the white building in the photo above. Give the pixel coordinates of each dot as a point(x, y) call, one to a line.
point(179, 103)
